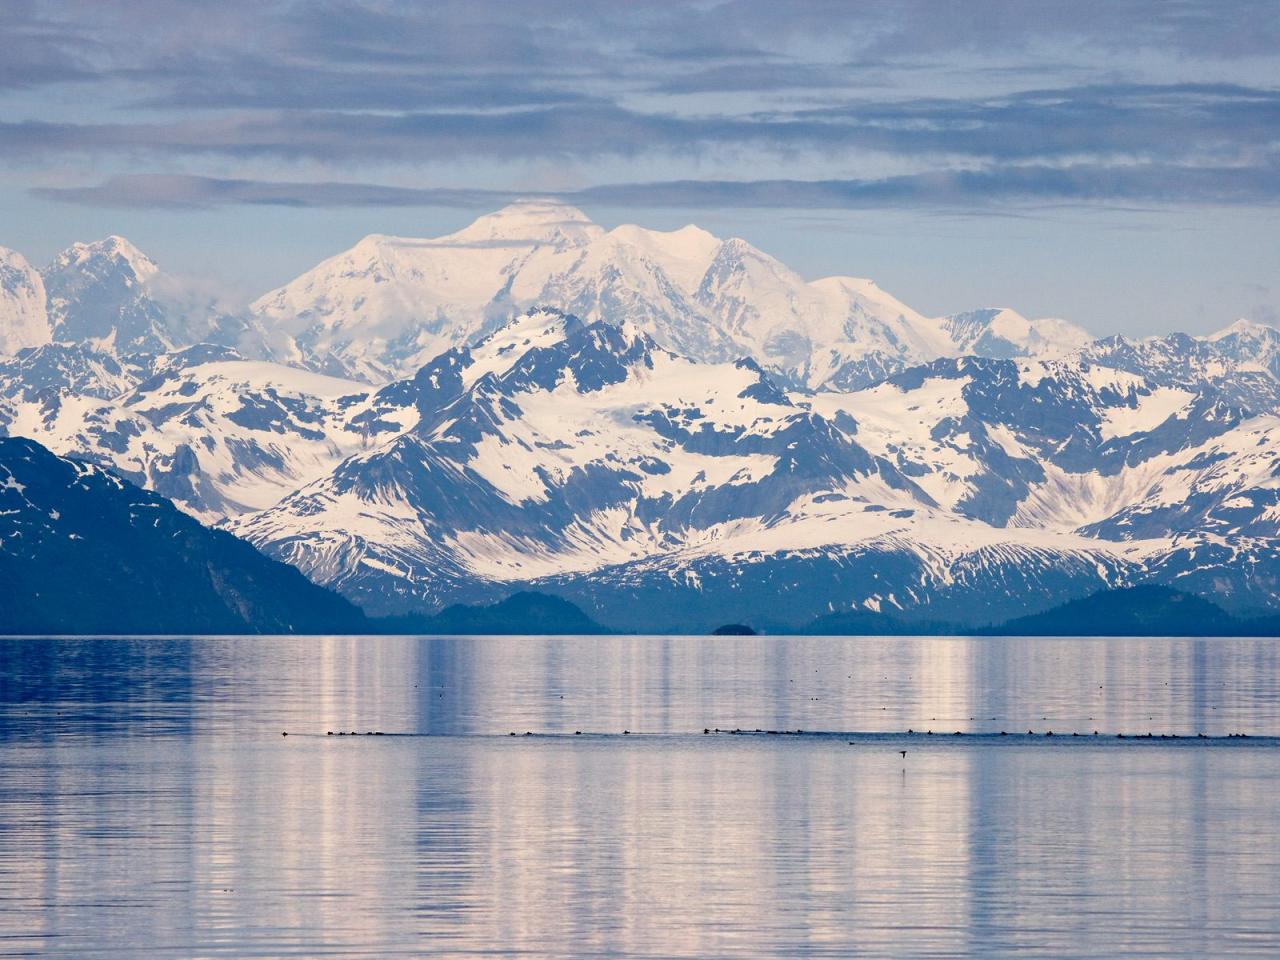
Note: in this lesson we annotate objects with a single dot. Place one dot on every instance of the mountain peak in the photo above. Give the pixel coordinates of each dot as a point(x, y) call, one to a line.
point(536, 220)
point(690, 238)
point(389, 305)
point(684, 254)
point(114, 248)
point(12, 258)
point(502, 349)
point(1243, 328)
point(24, 319)
point(738, 262)
point(737, 247)
point(1002, 332)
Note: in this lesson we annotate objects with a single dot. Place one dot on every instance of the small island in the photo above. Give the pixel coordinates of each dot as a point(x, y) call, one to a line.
point(733, 630)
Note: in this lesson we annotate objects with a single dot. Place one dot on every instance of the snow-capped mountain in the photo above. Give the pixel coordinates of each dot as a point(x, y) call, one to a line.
point(1244, 353)
point(555, 445)
point(111, 296)
point(218, 434)
point(379, 311)
point(1003, 333)
point(24, 315)
point(99, 292)
point(390, 304)
point(584, 459)
point(688, 427)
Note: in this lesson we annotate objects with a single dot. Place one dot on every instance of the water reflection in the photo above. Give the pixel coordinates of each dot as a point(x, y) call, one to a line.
point(149, 805)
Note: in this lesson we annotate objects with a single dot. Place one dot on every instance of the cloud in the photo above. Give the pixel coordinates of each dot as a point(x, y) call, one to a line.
point(39, 52)
point(179, 191)
point(556, 36)
point(1148, 123)
point(1152, 184)
point(962, 189)
point(343, 54)
point(970, 92)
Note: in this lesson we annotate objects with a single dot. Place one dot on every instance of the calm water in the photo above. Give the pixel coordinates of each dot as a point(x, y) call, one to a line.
point(149, 806)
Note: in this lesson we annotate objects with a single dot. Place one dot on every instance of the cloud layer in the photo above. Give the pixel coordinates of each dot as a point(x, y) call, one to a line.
point(869, 104)
point(1145, 184)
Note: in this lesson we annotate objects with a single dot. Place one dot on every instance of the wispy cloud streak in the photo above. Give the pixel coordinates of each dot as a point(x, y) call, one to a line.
point(972, 189)
point(1147, 122)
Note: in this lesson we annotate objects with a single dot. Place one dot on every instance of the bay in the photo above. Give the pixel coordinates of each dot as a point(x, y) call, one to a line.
point(152, 805)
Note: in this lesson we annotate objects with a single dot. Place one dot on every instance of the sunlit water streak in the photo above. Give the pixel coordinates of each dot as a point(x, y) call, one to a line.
point(150, 806)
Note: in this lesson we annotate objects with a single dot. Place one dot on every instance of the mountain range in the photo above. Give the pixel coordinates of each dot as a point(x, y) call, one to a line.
point(382, 309)
point(670, 430)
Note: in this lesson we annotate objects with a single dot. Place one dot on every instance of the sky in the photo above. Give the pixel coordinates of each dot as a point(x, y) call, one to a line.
point(1113, 162)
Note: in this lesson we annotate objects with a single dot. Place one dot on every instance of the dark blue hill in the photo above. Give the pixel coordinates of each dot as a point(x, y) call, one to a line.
point(83, 551)
point(526, 613)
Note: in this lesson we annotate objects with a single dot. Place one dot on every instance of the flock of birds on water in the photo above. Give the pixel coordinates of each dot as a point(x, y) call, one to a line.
point(911, 732)
point(865, 736)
